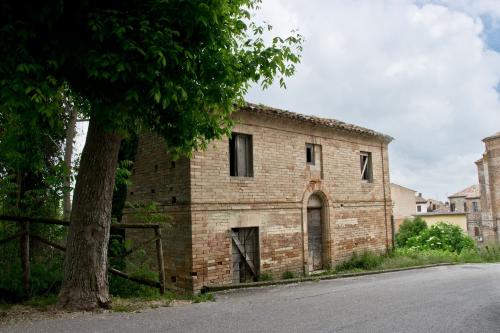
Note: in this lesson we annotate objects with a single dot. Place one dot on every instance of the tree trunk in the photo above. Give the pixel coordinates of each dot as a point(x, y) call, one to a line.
point(85, 283)
point(68, 153)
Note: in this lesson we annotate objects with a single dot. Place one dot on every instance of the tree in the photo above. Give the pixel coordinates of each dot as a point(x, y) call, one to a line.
point(174, 67)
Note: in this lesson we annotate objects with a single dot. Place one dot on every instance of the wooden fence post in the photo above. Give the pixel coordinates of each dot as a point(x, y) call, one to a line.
point(159, 254)
point(25, 257)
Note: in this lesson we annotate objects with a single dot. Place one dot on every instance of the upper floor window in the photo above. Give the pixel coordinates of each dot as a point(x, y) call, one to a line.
point(310, 153)
point(419, 208)
point(240, 155)
point(475, 206)
point(366, 166)
point(452, 207)
point(465, 206)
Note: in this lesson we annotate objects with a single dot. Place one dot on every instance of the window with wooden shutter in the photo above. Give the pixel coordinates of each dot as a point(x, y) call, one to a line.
point(366, 166)
point(241, 155)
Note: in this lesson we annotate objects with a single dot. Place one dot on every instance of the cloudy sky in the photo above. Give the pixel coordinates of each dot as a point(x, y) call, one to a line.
point(424, 72)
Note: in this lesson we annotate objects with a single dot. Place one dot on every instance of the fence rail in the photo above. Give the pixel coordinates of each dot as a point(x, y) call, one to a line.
point(26, 236)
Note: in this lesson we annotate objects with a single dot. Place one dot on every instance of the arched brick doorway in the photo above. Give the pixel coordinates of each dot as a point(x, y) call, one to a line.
point(315, 233)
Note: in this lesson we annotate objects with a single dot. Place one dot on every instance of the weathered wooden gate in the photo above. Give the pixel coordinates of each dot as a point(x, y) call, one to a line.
point(314, 239)
point(245, 254)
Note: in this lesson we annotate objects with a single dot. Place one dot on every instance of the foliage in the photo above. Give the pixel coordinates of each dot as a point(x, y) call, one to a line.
point(409, 228)
point(366, 260)
point(46, 263)
point(126, 157)
point(288, 275)
point(266, 277)
point(441, 236)
point(173, 67)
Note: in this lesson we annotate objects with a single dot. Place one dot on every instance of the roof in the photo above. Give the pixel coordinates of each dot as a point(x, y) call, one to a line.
point(470, 192)
point(420, 199)
point(491, 137)
point(406, 188)
point(324, 122)
point(437, 213)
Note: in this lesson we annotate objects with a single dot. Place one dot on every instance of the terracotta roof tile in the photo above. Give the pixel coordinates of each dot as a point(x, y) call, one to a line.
point(470, 192)
point(325, 122)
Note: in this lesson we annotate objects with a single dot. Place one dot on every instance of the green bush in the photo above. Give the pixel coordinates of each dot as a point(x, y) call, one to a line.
point(441, 236)
point(409, 228)
point(266, 277)
point(288, 275)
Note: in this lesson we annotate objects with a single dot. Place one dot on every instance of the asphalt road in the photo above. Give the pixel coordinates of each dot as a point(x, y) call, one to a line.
point(463, 298)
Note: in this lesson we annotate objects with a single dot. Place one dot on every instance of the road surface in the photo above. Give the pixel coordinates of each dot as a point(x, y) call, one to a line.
point(463, 298)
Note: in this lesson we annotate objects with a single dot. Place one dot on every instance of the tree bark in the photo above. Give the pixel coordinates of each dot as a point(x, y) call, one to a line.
point(85, 283)
point(68, 154)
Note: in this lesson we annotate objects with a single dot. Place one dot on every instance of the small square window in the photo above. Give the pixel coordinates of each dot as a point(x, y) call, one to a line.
point(310, 153)
point(366, 166)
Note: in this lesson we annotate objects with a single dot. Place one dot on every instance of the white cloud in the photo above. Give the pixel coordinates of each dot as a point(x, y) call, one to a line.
point(420, 73)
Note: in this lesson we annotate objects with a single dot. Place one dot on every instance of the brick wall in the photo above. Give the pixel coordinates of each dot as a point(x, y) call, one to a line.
point(157, 178)
point(489, 181)
point(275, 199)
point(355, 214)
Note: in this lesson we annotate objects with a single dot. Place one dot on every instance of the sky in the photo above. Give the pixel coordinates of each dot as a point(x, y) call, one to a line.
point(425, 72)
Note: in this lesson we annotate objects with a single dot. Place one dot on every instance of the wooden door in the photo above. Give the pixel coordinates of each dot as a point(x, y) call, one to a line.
point(245, 254)
point(315, 239)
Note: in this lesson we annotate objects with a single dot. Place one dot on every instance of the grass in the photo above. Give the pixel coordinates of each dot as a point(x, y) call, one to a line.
point(288, 275)
point(403, 258)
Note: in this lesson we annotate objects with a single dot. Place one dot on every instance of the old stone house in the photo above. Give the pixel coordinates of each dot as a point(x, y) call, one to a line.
point(483, 225)
point(287, 192)
point(467, 200)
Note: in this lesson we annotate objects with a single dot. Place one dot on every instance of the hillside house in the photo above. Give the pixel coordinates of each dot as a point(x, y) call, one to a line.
point(287, 192)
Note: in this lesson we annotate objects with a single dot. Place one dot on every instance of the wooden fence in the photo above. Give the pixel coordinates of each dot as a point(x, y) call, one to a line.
point(26, 237)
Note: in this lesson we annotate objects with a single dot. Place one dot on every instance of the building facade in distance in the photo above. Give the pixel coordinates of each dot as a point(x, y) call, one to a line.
point(286, 193)
point(483, 226)
point(403, 203)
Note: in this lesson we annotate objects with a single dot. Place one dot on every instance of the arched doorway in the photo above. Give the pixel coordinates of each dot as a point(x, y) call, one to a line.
point(315, 233)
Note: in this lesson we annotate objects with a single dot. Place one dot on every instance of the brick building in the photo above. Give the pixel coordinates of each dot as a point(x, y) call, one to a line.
point(484, 224)
point(288, 192)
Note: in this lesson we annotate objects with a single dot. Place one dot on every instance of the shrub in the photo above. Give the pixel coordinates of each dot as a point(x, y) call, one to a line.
point(266, 277)
point(408, 229)
point(366, 260)
point(288, 275)
point(441, 236)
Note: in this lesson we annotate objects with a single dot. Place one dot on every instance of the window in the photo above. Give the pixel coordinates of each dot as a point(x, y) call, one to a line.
point(240, 155)
point(476, 231)
point(452, 207)
point(419, 208)
point(465, 206)
point(366, 166)
point(310, 153)
point(475, 207)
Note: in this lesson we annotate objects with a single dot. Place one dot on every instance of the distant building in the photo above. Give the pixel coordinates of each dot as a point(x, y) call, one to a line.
point(467, 200)
point(403, 203)
point(456, 218)
point(428, 205)
point(483, 225)
point(421, 204)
